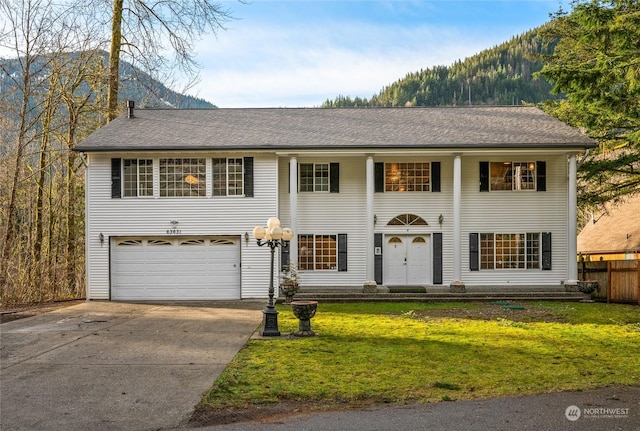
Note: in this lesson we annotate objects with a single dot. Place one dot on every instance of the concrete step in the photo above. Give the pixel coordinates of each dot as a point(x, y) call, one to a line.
point(441, 296)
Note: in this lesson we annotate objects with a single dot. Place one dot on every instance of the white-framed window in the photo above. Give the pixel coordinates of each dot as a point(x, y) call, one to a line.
point(512, 175)
point(407, 177)
point(510, 250)
point(228, 177)
point(318, 252)
point(138, 177)
point(314, 177)
point(181, 177)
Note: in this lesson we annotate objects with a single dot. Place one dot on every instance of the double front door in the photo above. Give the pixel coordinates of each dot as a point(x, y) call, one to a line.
point(407, 261)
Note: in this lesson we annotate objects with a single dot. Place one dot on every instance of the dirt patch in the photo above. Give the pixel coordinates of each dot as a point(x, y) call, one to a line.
point(7, 314)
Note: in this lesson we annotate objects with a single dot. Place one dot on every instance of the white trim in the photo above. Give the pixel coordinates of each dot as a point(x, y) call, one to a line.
point(370, 178)
point(457, 204)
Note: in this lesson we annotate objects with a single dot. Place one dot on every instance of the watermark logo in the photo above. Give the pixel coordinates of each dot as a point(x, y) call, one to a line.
point(573, 413)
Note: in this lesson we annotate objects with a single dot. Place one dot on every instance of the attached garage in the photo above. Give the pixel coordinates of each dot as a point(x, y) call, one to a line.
point(175, 268)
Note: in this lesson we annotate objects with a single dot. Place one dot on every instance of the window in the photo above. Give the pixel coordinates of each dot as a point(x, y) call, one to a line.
point(513, 175)
point(182, 177)
point(138, 177)
point(228, 177)
point(406, 177)
point(317, 252)
point(510, 251)
point(314, 177)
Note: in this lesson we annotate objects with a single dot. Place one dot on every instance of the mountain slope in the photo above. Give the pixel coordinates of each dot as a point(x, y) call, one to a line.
point(502, 75)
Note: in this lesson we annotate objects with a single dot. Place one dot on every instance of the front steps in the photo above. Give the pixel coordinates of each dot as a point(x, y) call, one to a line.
point(442, 293)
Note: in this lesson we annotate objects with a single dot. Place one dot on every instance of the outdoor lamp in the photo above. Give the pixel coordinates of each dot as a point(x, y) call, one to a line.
point(273, 236)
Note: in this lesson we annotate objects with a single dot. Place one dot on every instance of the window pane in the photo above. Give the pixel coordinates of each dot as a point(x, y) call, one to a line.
point(321, 177)
point(306, 177)
point(219, 177)
point(130, 173)
point(305, 252)
point(533, 251)
point(500, 176)
point(138, 177)
point(486, 251)
point(524, 176)
point(407, 177)
point(182, 177)
point(234, 169)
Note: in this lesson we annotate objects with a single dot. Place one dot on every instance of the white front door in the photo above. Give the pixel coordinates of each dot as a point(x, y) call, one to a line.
point(406, 260)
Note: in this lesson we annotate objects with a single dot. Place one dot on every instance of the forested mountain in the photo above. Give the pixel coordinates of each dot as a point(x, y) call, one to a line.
point(134, 85)
point(502, 75)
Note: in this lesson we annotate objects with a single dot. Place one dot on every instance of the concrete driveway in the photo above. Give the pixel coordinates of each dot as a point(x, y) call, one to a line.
point(117, 366)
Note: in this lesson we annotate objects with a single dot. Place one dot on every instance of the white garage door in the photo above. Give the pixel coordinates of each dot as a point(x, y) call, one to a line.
point(175, 268)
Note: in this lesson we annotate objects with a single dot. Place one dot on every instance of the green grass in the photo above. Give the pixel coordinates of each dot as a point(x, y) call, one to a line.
point(415, 352)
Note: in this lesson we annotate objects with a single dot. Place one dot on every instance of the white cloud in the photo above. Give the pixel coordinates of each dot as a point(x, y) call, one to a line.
point(303, 66)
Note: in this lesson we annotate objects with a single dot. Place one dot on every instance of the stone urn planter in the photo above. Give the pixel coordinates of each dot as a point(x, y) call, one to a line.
point(304, 311)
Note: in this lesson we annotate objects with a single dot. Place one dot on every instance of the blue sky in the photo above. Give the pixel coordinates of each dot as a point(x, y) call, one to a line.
point(302, 52)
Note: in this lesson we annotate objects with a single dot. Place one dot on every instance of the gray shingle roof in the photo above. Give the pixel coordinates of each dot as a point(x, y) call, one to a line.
point(306, 128)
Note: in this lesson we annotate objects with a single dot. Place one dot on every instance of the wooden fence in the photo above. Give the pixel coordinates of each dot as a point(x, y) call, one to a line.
point(618, 280)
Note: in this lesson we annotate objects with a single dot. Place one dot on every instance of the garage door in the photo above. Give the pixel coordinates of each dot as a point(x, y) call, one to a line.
point(175, 268)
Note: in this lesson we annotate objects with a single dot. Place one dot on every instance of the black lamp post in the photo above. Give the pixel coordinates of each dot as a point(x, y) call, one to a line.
point(273, 236)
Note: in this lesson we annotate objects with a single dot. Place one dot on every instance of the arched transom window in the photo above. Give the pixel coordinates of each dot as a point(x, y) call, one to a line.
point(407, 220)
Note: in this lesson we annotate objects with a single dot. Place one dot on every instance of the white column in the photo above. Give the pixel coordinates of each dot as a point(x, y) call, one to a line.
point(457, 202)
point(370, 262)
point(572, 225)
point(293, 205)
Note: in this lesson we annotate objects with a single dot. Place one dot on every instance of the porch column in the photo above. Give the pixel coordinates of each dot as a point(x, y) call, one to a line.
point(572, 225)
point(457, 200)
point(293, 208)
point(369, 217)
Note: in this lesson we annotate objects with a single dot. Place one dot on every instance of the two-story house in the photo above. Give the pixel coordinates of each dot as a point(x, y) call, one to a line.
point(484, 196)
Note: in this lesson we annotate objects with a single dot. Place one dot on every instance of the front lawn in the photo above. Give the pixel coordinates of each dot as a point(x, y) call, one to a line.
point(422, 352)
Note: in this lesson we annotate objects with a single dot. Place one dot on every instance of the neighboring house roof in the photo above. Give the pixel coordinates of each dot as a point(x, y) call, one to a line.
point(617, 230)
point(308, 128)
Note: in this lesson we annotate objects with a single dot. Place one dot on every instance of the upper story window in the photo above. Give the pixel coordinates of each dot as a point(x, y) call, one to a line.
point(228, 177)
point(314, 177)
point(182, 177)
point(407, 177)
point(138, 177)
point(513, 175)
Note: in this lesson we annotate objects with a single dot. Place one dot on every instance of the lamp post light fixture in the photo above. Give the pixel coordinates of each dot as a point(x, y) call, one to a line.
point(273, 236)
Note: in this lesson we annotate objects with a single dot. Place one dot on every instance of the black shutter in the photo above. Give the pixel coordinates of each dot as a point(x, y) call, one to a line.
point(377, 258)
point(116, 178)
point(334, 177)
point(474, 261)
point(484, 176)
point(379, 177)
point(541, 173)
point(342, 252)
point(284, 255)
point(437, 258)
point(435, 176)
point(546, 250)
point(248, 176)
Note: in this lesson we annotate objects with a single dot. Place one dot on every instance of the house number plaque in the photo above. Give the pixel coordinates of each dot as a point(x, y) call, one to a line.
point(174, 230)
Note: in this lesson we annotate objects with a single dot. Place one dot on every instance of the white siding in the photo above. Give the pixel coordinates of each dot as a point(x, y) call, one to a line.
point(516, 212)
point(196, 216)
point(332, 213)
